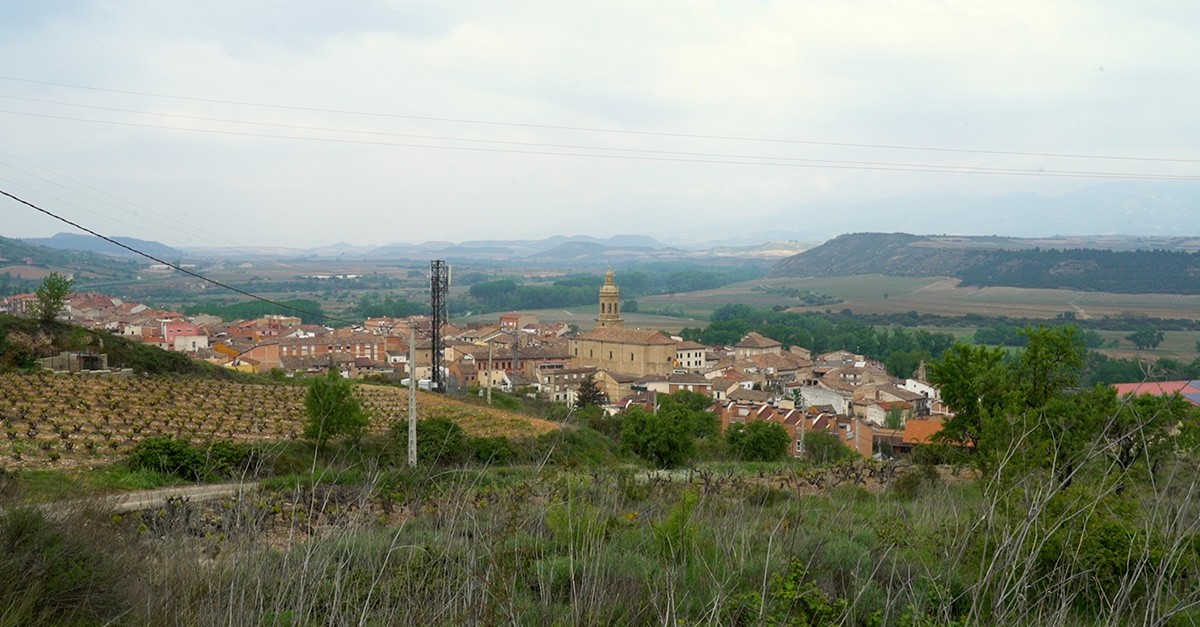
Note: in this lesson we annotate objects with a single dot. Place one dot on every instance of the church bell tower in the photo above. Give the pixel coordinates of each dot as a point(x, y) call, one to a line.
point(610, 304)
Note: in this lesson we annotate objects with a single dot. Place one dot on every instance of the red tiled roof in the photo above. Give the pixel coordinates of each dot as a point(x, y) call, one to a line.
point(919, 431)
point(628, 336)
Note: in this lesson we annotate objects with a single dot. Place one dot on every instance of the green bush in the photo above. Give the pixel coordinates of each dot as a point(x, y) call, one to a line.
point(219, 459)
point(658, 438)
point(50, 575)
point(571, 447)
point(758, 441)
point(914, 481)
point(824, 447)
point(168, 455)
point(227, 459)
point(496, 450)
point(439, 441)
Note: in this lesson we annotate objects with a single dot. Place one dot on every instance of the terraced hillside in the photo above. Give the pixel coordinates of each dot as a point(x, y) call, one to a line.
point(61, 420)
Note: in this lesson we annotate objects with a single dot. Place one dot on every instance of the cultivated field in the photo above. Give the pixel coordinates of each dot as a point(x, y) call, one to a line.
point(54, 420)
point(934, 295)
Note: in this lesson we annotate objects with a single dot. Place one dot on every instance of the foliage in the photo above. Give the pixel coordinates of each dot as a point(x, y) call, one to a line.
point(372, 305)
point(823, 447)
point(52, 575)
point(51, 297)
point(333, 410)
point(973, 381)
point(793, 598)
point(659, 438)
point(901, 349)
point(439, 441)
point(179, 458)
point(693, 409)
point(758, 440)
point(169, 455)
point(1146, 338)
point(589, 394)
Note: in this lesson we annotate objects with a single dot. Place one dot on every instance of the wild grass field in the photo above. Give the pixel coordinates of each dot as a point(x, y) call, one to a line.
point(721, 544)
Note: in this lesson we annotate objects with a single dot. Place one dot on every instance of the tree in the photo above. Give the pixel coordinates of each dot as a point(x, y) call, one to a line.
point(1146, 338)
point(692, 409)
point(51, 297)
point(973, 381)
point(589, 394)
point(758, 441)
point(824, 447)
point(333, 410)
point(1051, 363)
point(657, 438)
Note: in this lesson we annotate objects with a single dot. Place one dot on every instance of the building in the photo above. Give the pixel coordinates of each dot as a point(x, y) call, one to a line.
point(613, 348)
point(610, 304)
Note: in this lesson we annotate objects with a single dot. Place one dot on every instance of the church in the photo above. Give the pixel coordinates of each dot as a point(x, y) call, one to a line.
point(613, 348)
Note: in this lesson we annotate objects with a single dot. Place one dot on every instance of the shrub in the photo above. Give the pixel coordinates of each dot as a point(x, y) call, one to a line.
point(168, 455)
point(52, 576)
point(227, 459)
point(657, 438)
point(439, 441)
point(914, 481)
point(496, 450)
point(758, 441)
point(573, 446)
point(823, 447)
point(179, 458)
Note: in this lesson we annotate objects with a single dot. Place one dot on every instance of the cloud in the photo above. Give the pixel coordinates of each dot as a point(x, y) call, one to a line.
point(675, 78)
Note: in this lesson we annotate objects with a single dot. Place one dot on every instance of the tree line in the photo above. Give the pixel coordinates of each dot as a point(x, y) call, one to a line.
point(901, 350)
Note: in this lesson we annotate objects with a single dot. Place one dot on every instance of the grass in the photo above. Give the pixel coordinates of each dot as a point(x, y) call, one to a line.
point(935, 295)
point(352, 535)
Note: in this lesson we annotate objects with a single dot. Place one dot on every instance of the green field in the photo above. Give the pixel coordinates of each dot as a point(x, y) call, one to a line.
point(933, 295)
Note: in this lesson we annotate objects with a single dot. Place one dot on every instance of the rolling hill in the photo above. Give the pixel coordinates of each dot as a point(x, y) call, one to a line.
point(996, 261)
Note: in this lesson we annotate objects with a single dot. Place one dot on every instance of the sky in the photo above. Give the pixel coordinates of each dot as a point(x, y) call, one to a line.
point(303, 123)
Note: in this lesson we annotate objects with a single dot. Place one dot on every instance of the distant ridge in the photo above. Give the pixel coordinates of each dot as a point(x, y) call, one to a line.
point(90, 243)
point(999, 261)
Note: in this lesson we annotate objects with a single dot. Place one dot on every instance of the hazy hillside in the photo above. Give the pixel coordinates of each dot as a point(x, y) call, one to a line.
point(16, 255)
point(89, 243)
point(992, 261)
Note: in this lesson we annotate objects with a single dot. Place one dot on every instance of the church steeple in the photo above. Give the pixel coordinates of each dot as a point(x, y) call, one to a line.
point(610, 304)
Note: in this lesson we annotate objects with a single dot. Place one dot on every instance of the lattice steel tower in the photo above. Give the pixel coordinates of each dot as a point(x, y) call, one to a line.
point(439, 285)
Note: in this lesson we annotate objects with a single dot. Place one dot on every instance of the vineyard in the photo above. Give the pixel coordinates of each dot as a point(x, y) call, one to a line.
point(59, 420)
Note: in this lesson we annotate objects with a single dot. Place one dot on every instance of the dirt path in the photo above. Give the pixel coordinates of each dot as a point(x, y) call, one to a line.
point(148, 499)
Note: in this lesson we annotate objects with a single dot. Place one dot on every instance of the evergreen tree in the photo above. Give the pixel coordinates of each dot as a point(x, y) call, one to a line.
point(589, 394)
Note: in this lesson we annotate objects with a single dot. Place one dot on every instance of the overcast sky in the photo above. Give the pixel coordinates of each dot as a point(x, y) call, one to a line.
point(282, 122)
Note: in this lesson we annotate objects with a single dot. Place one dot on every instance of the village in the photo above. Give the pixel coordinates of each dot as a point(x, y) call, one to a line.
point(871, 412)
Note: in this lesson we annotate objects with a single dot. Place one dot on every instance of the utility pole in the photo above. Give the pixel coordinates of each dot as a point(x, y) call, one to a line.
point(412, 394)
point(489, 374)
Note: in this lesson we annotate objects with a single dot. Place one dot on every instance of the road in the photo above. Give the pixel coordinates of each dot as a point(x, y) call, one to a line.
point(148, 499)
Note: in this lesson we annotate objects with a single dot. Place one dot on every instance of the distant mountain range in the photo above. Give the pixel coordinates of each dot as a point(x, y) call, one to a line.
point(579, 251)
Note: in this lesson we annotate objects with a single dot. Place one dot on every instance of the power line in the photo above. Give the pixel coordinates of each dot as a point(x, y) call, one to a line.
point(166, 222)
point(174, 266)
point(587, 129)
point(759, 161)
point(683, 153)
